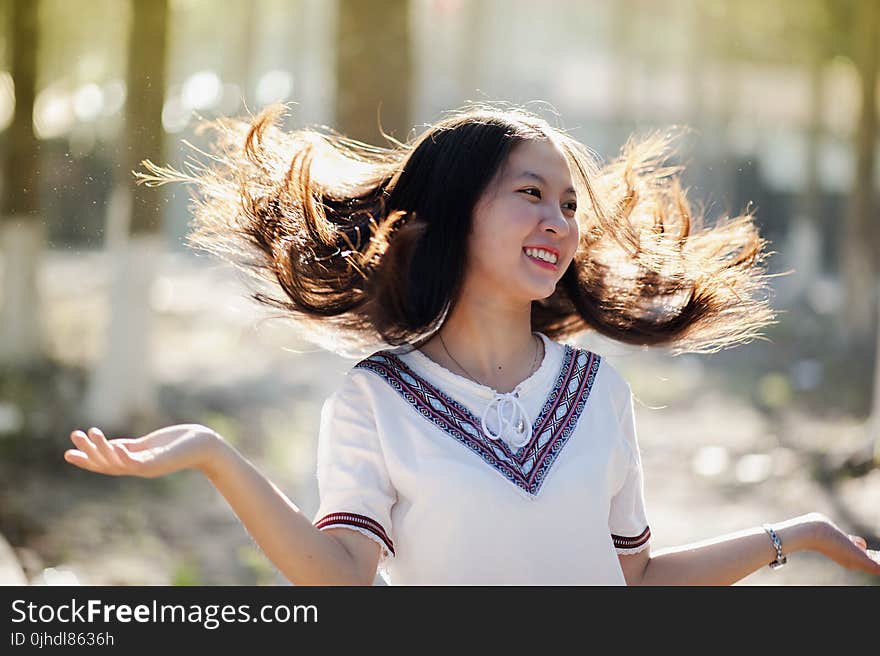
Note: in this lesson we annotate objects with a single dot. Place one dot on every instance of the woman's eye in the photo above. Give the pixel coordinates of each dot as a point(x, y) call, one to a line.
point(532, 192)
point(572, 207)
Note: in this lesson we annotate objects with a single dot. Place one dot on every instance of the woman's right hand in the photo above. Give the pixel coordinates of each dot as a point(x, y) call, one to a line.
point(164, 451)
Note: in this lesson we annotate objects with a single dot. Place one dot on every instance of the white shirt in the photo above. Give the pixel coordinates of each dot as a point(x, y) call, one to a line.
point(402, 459)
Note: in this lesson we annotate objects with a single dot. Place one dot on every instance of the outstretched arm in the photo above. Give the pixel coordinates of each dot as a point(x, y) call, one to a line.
point(304, 554)
point(729, 558)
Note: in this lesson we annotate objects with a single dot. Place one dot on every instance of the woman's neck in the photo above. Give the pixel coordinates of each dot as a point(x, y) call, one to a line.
point(489, 341)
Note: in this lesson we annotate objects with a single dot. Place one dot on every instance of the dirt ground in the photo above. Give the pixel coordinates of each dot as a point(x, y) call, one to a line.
point(714, 462)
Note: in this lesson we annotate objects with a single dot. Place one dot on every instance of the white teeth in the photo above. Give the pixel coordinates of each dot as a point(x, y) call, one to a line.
point(547, 256)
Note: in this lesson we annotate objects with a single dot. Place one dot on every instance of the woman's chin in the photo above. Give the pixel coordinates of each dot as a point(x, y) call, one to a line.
point(526, 288)
point(541, 289)
point(541, 292)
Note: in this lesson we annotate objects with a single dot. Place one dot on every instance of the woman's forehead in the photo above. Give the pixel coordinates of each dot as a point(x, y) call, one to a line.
point(541, 161)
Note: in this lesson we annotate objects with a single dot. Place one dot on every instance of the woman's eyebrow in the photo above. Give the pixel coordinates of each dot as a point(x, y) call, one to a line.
point(540, 178)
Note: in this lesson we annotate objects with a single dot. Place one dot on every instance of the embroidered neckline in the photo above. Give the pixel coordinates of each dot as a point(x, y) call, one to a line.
point(524, 386)
point(527, 466)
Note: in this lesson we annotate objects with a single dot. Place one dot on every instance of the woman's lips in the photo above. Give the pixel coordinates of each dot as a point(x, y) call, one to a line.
point(541, 263)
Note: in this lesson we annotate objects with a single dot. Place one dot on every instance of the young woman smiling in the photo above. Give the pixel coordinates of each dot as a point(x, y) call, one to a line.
point(472, 445)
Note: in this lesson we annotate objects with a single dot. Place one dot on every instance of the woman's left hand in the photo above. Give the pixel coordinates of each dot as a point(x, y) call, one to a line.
point(849, 551)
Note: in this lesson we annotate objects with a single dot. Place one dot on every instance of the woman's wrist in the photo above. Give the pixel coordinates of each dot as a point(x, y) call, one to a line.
point(803, 533)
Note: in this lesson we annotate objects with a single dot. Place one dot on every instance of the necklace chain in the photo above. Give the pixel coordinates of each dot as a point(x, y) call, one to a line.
point(474, 378)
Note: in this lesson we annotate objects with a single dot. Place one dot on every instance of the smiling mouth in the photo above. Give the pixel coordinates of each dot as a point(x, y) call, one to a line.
point(542, 258)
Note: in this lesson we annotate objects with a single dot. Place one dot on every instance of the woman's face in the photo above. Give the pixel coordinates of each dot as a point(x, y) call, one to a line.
point(524, 233)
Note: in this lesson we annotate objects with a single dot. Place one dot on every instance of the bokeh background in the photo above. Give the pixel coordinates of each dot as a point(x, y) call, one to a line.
point(109, 319)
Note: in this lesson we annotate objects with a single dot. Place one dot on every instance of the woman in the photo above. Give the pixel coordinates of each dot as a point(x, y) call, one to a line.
point(474, 447)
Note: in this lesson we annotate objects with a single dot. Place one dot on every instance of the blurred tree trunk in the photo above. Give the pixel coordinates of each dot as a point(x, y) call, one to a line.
point(810, 201)
point(23, 232)
point(373, 69)
point(240, 67)
point(858, 255)
point(861, 262)
point(619, 93)
point(476, 15)
point(695, 62)
point(803, 251)
point(122, 393)
point(874, 419)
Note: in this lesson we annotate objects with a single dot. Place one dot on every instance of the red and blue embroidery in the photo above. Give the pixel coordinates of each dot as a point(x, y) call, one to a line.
point(528, 466)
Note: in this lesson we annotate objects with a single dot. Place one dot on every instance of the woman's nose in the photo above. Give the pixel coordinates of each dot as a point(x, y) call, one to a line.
point(556, 222)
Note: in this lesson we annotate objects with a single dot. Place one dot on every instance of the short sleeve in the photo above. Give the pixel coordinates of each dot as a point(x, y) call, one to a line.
point(627, 518)
point(353, 484)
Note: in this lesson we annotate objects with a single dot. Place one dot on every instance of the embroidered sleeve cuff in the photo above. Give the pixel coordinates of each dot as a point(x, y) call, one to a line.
point(363, 525)
point(631, 545)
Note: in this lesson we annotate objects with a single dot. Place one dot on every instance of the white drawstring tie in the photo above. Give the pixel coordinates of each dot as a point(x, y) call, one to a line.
point(514, 426)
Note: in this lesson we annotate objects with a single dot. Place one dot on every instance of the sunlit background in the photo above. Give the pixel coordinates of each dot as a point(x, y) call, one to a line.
point(108, 318)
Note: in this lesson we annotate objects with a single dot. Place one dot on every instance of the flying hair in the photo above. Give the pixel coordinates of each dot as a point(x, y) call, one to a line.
point(361, 246)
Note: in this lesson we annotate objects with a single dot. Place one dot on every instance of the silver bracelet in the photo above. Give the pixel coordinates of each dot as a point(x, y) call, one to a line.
point(777, 544)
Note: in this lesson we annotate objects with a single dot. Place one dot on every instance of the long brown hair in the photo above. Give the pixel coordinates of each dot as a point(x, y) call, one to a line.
point(365, 242)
